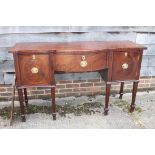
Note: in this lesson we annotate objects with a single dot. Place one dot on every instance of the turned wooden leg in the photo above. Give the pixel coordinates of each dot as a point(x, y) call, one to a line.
point(25, 95)
point(107, 99)
point(134, 91)
point(121, 90)
point(53, 103)
point(22, 108)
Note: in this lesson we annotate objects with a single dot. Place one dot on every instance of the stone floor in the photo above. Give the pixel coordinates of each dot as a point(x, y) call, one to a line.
point(118, 118)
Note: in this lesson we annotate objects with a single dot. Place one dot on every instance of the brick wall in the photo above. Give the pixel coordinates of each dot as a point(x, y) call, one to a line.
point(78, 88)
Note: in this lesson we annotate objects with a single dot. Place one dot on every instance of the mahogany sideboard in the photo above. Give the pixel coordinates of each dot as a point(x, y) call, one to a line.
point(36, 64)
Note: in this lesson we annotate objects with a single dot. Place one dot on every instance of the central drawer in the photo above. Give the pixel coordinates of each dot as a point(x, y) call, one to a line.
point(80, 62)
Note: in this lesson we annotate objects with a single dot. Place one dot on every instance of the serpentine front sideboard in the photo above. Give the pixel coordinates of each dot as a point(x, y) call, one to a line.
point(36, 64)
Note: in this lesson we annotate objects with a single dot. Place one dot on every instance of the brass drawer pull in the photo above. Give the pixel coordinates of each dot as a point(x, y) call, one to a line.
point(83, 63)
point(125, 66)
point(34, 70)
point(126, 54)
point(33, 57)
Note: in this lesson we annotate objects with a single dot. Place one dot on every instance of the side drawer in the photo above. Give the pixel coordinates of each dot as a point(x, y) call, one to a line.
point(34, 69)
point(126, 65)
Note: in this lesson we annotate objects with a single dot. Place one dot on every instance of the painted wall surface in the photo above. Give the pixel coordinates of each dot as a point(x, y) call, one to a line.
point(9, 35)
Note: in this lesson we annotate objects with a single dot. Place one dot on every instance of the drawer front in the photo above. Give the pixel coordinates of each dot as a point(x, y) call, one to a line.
point(34, 69)
point(125, 66)
point(80, 62)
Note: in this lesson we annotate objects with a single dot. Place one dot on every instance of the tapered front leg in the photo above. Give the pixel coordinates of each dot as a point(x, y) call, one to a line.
point(53, 103)
point(121, 90)
point(22, 108)
point(25, 95)
point(106, 109)
point(134, 92)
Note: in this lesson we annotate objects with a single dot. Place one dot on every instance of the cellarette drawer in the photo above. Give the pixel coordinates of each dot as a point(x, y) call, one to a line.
point(34, 69)
point(125, 66)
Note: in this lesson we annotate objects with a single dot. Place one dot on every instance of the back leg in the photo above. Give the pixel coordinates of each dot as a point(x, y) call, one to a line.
point(26, 98)
point(121, 90)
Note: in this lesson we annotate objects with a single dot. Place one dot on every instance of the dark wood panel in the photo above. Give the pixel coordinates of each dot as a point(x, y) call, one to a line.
point(125, 66)
point(76, 46)
point(34, 71)
point(73, 63)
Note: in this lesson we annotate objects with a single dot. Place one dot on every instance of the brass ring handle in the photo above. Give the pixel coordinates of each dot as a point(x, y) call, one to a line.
point(33, 57)
point(125, 66)
point(34, 70)
point(83, 63)
point(126, 54)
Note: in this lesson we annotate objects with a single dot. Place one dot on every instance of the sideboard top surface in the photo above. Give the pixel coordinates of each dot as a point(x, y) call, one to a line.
point(75, 46)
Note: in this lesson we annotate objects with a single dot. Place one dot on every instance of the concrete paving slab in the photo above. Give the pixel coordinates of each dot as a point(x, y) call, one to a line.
point(118, 118)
